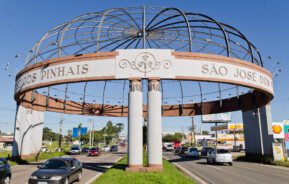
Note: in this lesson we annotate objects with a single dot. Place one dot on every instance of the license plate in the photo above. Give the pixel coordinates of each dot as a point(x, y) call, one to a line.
point(41, 182)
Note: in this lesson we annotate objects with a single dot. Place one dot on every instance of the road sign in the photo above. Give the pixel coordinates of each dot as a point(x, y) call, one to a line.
point(75, 134)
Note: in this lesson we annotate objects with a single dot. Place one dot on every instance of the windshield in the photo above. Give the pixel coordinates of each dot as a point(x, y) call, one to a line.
point(94, 149)
point(55, 164)
point(75, 148)
point(222, 151)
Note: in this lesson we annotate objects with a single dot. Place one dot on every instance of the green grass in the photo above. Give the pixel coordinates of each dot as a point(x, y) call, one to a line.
point(263, 160)
point(117, 174)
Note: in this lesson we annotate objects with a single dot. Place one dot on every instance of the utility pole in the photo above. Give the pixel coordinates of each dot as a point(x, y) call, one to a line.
point(216, 134)
point(182, 129)
point(60, 132)
point(193, 132)
point(92, 138)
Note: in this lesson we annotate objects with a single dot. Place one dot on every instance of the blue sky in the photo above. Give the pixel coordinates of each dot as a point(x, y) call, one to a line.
point(22, 23)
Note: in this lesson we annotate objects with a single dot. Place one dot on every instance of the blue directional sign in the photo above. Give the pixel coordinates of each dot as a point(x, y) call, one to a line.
point(75, 134)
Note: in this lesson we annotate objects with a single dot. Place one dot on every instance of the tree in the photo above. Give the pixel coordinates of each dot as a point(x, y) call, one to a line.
point(171, 137)
point(48, 134)
point(205, 132)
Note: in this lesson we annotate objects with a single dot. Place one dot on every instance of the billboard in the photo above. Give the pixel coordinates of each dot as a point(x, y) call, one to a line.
point(277, 151)
point(235, 126)
point(278, 130)
point(83, 131)
point(217, 118)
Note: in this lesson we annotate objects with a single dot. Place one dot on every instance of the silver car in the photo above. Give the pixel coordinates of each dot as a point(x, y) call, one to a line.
point(219, 156)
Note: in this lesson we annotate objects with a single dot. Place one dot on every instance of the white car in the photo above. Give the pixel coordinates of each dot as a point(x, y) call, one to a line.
point(193, 152)
point(44, 148)
point(219, 156)
point(168, 147)
point(75, 150)
point(106, 148)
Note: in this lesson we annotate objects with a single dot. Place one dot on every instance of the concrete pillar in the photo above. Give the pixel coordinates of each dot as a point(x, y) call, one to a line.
point(154, 127)
point(28, 131)
point(135, 126)
point(258, 131)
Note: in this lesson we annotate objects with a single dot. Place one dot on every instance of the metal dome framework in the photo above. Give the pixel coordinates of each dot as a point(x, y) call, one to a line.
point(139, 28)
point(143, 27)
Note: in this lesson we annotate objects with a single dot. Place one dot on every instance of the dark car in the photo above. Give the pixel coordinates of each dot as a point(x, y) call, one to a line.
point(114, 148)
point(59, 170)
point(5, 171)
point(177, 150)
point(85, 150)
point(94, 152)
point(205, 151)
point(182, 151)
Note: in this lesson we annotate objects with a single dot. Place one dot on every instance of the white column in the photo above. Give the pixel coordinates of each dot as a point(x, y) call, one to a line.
point(135, 125)
point(28, 132)
point(154, 125)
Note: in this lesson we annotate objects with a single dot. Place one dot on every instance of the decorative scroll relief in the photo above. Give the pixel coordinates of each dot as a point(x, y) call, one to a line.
point(145, 62)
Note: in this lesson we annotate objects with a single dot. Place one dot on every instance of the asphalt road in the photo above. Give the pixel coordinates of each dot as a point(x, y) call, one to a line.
point(93, 166)
point(239, 173)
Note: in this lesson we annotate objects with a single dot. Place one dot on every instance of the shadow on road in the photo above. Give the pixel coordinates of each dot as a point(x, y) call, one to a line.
point(182, 159)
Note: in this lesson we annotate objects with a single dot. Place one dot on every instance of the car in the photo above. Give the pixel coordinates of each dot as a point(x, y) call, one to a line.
point(105, 148)
point(183, 150)
point(75, 150)
point(44, 149)
point(122, 144)
point(205, 151)
point(59, 170)
point(5, 171)
point(85, 150)
point(177, 144)
point(177, 150)
point(94, 152)
point(193, 152)
point(168, 147)
point(219, 156)
point(114, 148)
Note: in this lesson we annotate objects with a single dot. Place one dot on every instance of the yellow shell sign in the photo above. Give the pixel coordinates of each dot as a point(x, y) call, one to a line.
point(238, 126)
point(277, 129)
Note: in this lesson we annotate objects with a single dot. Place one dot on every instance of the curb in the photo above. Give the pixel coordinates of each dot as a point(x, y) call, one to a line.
point(199, 179)
point(99, 174)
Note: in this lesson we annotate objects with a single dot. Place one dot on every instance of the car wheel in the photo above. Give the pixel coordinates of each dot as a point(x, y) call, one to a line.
point(214, 161)
point(208, 161)
point(79, 176)
point(231, 163)
point(7, 180)
point(66, 181)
